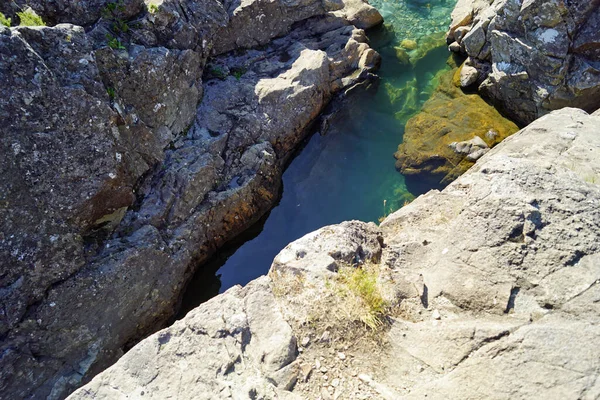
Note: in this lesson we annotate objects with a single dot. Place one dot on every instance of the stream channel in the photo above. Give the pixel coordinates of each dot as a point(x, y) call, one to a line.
point(345, 171)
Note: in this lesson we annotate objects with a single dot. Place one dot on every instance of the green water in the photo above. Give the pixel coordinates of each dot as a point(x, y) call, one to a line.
point(346, 171)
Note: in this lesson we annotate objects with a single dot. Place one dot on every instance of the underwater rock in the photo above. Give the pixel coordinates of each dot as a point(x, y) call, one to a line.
point(468, 75)
point(408, 44)
point(426, 44)
point(406, 97)
point(402, 55)
point(448, 116)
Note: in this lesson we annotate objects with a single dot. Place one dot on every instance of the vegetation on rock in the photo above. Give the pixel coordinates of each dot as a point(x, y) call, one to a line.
point(28, 17)
point(4, 21)
point(447, 118)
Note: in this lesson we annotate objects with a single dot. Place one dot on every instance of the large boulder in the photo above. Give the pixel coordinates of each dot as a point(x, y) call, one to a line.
point(118, 184)
point(491, 291)
point(536, 56)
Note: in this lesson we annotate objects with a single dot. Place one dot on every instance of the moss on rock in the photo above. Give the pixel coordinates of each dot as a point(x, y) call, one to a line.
point(449, 116)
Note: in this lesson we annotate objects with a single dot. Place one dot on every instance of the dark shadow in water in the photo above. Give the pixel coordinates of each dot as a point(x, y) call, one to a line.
point(206, 282)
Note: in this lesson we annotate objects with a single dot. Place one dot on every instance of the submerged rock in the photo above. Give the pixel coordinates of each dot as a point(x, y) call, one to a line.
point(449, 116)
point(535, 56)
point(481, 281)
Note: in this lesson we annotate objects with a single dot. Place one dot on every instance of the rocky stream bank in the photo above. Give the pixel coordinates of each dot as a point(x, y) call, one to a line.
point(118, 181)
point(137, 137)
point(491, 287)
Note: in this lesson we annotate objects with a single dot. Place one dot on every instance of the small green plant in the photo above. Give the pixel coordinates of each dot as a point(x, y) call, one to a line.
point(111, 92)
point(114, 43)
point(112, 10)
point(238, 72)
point(153, 8)
point(4, 21)
point(28, 17)
point(218, 72)
point(120, 26)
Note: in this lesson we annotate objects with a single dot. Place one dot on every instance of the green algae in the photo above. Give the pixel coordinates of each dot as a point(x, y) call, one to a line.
point(448, 116)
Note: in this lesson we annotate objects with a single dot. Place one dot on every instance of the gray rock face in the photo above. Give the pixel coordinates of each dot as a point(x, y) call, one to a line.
point(118, 184)
point(76, 12)
point(536, 56)
point(237, 346)
point(496, 278)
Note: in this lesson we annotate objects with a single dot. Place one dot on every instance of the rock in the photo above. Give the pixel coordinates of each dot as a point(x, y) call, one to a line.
point(463, 13)
point(275, 18)
point(518, 295)
point(513, 176)
point(402, 56)
point(120, 184)
point(468, 76)
point(460, 32)
point(360, 14)
point(474, 40)
point(341, 356)
point(218, 348)
point(527, 75)
point(449, 116)
point(408, 44)
point(78, 12)
point(454, 47)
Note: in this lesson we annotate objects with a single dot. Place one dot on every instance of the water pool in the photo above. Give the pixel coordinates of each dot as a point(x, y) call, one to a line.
point(346, 171)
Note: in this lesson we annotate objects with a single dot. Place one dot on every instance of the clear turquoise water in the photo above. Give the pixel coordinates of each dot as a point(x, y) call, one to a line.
point(346, 172)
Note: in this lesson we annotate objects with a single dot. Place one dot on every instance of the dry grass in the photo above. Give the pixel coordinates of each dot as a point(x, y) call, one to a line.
point(360, 295)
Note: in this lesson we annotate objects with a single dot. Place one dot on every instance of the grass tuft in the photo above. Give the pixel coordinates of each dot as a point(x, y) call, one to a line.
point(358, 285)
point(4, 21)
point(28, 17)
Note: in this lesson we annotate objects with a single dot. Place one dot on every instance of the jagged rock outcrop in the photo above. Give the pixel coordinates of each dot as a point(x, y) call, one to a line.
point(532, 56)
point(117, 183)
point(493, 283)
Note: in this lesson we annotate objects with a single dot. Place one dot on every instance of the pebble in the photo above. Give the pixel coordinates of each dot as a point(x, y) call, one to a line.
point(341, 356)
point(365, 378)
point(318, 364)
point(436, 314)
point(305, 341)
point(335, 382)
point(323, 370)
point(325, 394)
point(306, 371)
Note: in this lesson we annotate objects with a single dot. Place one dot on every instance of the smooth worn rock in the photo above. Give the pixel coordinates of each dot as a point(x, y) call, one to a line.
point(494, 277)
point(449, 116)
point(468, 76)
point(360, 14)
point(536, 56)
point(237, 345)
